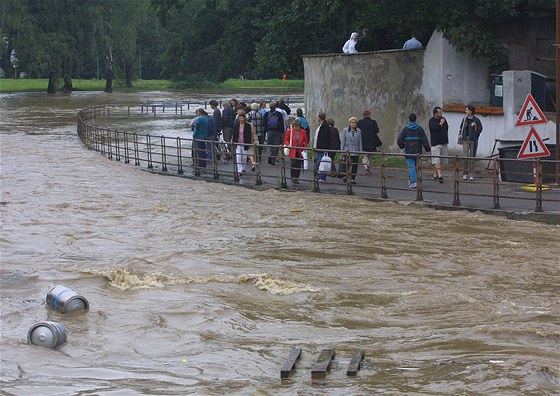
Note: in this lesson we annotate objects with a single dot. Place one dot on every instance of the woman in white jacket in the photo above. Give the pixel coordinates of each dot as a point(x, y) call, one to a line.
point(350, 45)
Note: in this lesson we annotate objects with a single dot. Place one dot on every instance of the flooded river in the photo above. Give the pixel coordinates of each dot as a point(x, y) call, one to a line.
point(204, 288)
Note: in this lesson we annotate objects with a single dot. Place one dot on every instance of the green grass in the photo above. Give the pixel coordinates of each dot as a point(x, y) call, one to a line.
point(40, 85)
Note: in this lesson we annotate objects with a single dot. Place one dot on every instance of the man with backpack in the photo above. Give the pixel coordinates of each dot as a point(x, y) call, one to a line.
point(274, 124)
point(412, 139)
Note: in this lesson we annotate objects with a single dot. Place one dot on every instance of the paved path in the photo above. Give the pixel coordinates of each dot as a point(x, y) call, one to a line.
point(510, 200)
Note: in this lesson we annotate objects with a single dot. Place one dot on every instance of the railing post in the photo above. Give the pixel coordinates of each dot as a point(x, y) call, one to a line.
point(283, 182)
point(117, 146)
point(149, 151)
point(456, 200)
point(163, 155)
point(214, 159)
point(126, 148)
point(383, 177)
point(348, 177)
point(234, 161)
point(258, 179)
point(496, 181)
point(136, 150)
point(196, 169)
point(315, 174)
point(419, 196)
point(538, 185)
point(179, 157)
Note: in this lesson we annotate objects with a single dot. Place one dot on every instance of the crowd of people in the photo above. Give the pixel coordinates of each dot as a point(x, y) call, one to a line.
point(252, 128)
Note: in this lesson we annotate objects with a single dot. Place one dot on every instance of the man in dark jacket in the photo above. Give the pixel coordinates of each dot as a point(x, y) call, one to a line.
point(370, 140)
point(273, 122)
point(228, 116)
point(365, 43)
point(439, 139)
point(322, 141)
point(412, 138)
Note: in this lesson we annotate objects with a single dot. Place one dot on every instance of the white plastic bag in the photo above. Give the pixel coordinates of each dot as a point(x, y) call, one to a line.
point(325, 165)
point(305, 160)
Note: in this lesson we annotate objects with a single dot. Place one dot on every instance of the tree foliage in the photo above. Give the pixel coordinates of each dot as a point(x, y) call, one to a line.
point(214, 40)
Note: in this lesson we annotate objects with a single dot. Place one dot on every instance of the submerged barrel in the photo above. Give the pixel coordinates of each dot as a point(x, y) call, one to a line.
point(47, 334)
point(64, 299)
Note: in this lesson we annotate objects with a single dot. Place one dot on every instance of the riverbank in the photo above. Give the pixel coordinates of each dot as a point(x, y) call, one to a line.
point(248, 86)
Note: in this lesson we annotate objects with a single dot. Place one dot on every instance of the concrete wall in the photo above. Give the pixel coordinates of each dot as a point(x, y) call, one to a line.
point(453, 77)
point(386, 82)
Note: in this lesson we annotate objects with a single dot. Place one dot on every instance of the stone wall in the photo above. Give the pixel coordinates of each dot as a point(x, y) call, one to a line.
point(386, 82)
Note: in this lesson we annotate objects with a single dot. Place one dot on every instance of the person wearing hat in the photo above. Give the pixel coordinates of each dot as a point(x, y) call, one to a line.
point(370, 140)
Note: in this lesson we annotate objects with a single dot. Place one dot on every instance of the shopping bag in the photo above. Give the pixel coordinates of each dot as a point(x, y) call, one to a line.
point(325, 165)
point(305, 160)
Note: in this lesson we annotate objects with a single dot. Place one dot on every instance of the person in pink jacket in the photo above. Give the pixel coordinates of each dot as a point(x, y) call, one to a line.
point(296, 140)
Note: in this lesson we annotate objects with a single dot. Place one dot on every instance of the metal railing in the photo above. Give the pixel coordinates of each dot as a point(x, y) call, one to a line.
point(217, 160)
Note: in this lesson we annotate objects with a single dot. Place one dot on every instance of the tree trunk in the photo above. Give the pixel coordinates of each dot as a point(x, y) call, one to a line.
point(109, 83)
point(53, 79)
point(67, 84)
point(128, 74)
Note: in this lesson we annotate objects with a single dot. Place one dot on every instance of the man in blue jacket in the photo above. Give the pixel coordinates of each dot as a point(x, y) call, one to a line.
point(412, 138)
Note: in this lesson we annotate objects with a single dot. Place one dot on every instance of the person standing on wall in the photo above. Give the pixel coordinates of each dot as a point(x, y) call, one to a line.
point(350, 45)
point(370, 138)
point(412, 138)
point(412, 43)
point(322, 142)
point(469, 131)
point(365, 43)
point(439, 140)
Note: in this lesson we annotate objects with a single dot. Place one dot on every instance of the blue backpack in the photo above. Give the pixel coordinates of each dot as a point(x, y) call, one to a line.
point(273, 118)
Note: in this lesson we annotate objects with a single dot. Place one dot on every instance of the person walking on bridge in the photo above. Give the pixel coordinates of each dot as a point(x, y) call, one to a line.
point(412, 138)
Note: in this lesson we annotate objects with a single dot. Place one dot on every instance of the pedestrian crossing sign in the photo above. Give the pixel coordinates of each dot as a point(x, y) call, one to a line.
point(531, 113)
point(533, 146)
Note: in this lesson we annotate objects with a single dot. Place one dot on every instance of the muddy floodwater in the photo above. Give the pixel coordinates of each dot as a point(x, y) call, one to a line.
point(203, 288)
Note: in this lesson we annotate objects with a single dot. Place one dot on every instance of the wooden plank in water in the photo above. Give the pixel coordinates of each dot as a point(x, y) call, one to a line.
point(355, 363)
point(323, 363)
point(290, 363)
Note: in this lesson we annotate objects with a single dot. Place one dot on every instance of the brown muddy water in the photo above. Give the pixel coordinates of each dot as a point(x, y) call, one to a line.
point(203, 288)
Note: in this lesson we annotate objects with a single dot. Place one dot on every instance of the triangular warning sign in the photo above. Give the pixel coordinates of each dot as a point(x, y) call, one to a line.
point(533, 146)
point(531, 113)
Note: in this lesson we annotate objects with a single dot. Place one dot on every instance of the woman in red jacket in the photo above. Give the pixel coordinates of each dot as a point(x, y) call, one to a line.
point(296, 139)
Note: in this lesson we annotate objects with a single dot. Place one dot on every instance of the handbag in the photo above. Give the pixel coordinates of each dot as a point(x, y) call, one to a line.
point(325, 165)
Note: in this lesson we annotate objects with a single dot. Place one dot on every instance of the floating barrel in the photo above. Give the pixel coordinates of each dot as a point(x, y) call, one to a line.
point(47, 334)
point(64, 299)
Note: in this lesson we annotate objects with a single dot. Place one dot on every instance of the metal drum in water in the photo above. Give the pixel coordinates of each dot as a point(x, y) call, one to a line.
point(64, 299)
point(47, 334)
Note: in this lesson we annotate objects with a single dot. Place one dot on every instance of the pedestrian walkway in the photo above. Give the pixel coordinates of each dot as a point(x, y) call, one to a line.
point(482, 194)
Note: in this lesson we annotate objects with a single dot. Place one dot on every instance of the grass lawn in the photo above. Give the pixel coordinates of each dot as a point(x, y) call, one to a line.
point(40, 85)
